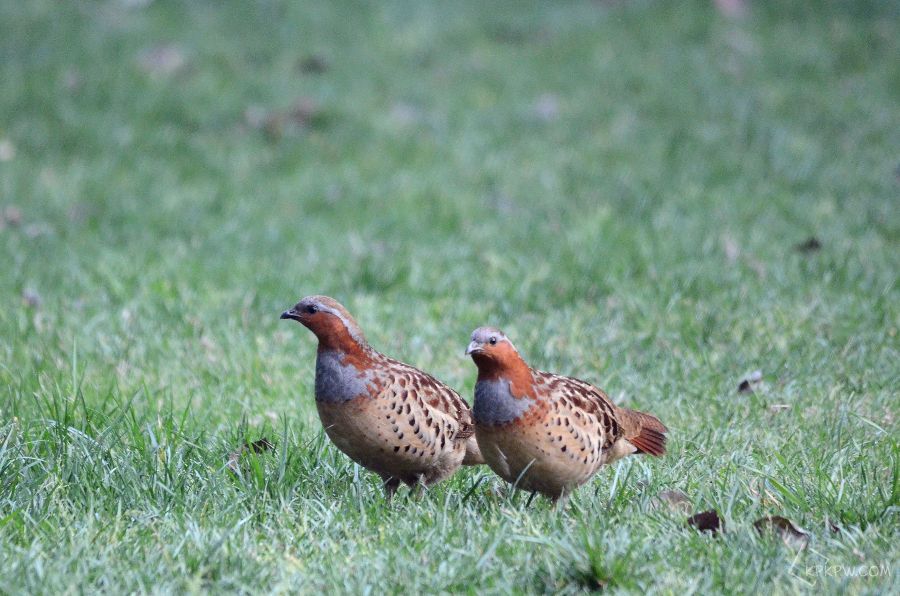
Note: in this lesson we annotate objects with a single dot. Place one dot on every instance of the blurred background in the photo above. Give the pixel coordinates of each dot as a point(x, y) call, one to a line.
point(174, 174)
point(693, 204)
point(176, 168)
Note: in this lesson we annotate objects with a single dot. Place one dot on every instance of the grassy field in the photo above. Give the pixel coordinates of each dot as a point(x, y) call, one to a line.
point(621, 186)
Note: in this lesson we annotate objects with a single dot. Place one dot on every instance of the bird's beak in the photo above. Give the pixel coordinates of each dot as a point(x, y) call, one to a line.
point(289, 314)
point(474, 346)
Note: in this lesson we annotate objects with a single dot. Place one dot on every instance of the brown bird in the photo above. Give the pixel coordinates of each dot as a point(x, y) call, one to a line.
point(548, 433)
point(387, 416)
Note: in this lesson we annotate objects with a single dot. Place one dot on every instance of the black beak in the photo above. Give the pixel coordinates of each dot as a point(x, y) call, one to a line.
point(289, 314)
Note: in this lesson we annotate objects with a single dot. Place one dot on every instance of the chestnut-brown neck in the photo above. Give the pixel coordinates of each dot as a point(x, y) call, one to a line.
point(505, 364)
point(333, 335)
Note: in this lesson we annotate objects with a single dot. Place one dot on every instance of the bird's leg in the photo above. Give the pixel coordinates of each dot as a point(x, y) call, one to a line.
point(530, 499)
point(560, 501)
point(417, 489)
point(390, 487)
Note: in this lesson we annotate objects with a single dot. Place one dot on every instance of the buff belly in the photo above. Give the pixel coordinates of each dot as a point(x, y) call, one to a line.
point(363, 429)
point(528, 458)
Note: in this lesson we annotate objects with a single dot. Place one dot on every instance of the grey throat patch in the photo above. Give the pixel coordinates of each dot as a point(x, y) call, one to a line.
point(495, 404)
point(335, 381)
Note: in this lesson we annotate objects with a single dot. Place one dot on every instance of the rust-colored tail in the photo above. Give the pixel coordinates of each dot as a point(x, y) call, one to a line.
point(644, 431)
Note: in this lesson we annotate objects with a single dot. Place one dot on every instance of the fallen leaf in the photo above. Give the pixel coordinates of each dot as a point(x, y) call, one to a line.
point(675, 500)
point(163, 60)
point(404, 114)
point(7, 150)
point(760, 490)
point(733, 9)
point(313, 64)
point(303, 111)
point(758, 267)
point(72, 80)
point(302, 114)
point(234, 458)
point(811, 244)
point(775, 408)
point(504, 33)
point(784, 528)
point(38, 229)
point(707, 521)
point(255, 116)
point(546, 107)
point(12, 215)
point(752, 380)
point(261, 445)
point(78, 212)
point(590, 579)
point(273, 125)
point(731, 248)
point(31, 298)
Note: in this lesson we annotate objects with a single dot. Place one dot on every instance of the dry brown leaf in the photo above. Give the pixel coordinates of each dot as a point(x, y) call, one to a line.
point(546, 107)
point(748, 384)
point(810, 245)
point(162, 60)
point(675, 500)
point(404, 114)
point(71, 80)
point(313, 64)
point(731, 248)
point(7, 150)
point(784, 528)
point(31, 298)
point(707, 521)
point(38, 229)
point(733, 9)
point(760, 490)
point(304, 113)
point(12, 215)
point(234, 458)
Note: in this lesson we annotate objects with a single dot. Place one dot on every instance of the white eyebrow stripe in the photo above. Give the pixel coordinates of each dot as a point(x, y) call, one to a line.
point(353, 330)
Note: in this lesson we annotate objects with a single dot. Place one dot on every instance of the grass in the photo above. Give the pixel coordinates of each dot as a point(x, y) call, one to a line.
point(619, 186)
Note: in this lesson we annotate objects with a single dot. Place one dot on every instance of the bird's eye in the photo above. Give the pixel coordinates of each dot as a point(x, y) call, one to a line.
point(312, 309)
point(493, 341)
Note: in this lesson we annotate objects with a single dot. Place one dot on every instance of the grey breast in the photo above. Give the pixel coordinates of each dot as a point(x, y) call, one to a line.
point(336, 381)
point(495, 404)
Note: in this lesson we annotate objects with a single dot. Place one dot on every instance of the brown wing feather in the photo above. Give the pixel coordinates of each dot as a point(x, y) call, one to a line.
point(587, 400)
point(439, 399)
point(644, 431)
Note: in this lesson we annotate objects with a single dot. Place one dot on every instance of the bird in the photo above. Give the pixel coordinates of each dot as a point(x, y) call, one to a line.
point(547, 433)
point(387, 416)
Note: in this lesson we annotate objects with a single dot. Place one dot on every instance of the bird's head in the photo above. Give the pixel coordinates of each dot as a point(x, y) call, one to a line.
point(490, 346)
point(497, 358)
point(328, 320)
